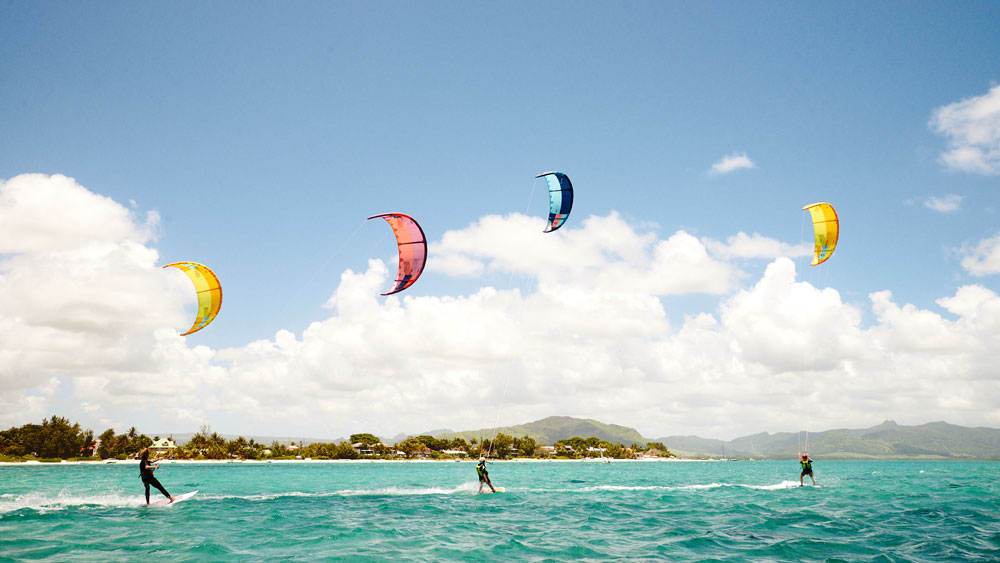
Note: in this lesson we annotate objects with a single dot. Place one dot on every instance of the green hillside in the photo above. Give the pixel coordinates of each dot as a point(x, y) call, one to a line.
point(934, 440)
point(554, 428)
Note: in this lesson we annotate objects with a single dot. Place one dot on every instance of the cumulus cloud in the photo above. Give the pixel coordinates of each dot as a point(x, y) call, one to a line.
point(944, 204)
point(732, 163)
point(984, 258)
point(433, 361)
point(592, 338)
point(605, 254)
point(17, 406)
point(972, 127)
point(742, 245)
point(780, 345)
point(75, 273)
point(51, 213)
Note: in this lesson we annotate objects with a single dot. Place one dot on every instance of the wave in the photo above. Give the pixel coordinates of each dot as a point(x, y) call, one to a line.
point(46, 502)
point(773, 487)
point(465, 488)
point(708, 486)
point(397, 491)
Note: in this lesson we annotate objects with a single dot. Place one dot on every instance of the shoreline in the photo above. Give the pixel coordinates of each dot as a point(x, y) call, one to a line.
point(34, 463)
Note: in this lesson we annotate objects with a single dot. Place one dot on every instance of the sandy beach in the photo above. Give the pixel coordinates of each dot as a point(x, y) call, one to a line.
point(315, 461)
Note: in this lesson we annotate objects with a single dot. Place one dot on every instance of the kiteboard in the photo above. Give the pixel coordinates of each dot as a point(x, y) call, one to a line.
point(178, 498)
point(498, 489)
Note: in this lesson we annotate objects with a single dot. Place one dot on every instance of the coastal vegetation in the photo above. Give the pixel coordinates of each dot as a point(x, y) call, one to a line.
point(56, 439)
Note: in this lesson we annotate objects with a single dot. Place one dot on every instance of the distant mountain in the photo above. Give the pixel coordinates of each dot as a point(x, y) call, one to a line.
point(934, 440)
point(554, 428)
point(437, 432)
point(401, 436)
point(395, 439)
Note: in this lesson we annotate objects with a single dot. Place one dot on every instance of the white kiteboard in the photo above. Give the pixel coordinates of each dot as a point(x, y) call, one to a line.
point(499, 490)
point(178, 498)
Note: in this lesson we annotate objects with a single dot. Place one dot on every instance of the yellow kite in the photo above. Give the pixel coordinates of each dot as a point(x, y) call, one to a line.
point(209, 293)
point(827, 229)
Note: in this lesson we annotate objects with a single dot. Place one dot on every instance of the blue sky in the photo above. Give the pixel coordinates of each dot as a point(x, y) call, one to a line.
point(257, 138)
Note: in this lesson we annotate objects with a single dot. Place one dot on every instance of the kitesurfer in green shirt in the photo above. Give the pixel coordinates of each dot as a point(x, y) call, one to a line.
point(484, 475)
point(807, 469)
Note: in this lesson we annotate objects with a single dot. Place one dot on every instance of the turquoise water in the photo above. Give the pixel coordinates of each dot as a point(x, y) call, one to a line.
point(575, 511)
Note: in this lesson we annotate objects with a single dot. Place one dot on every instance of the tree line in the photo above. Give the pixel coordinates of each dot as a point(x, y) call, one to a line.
point(55, 439)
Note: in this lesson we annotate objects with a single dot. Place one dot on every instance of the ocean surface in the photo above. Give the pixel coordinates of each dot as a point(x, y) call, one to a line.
point(551, 511)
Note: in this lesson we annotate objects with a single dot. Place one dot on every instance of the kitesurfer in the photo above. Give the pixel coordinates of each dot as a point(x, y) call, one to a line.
point(146, 469)
point(484, 475)
point(807, 469)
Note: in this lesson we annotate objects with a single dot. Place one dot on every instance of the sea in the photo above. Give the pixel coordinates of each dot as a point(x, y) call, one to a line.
point(550, 511)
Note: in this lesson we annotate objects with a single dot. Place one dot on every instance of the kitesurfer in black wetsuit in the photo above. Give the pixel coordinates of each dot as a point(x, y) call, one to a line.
point(484, 476)
point(146, 469)
point(807, 469)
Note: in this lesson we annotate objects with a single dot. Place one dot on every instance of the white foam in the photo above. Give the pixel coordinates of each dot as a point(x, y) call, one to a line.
point(398, 491)
point(266, 496)
point(471, 487)
point(45, 502)
point(700, 487)
point(779, 486)
point(623, 488)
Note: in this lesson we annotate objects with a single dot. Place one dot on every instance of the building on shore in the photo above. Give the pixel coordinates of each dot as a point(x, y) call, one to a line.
point(163, 446)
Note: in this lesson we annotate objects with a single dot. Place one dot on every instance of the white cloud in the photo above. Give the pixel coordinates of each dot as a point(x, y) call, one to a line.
point(605, 253)
point(52, 213)
point(972, 127)
point(591, 339)
point(984, 259)
point(945, 204)
point(742, 245)
point(80, 293)
point(20, 407)
point(732, 163)
point(971, 301)
point(780, 346)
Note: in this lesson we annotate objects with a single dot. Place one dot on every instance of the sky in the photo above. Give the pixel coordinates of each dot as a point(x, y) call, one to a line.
point(256, 138)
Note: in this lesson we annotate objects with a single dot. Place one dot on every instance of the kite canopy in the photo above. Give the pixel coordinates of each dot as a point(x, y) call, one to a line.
point(827, 229)
point(209, 293)
point(560, 199)
point(412, 249)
